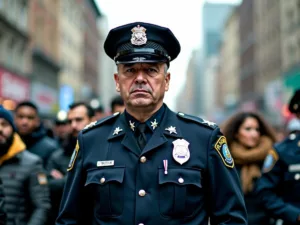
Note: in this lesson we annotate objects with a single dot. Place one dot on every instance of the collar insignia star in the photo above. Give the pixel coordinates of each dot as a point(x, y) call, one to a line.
point(154, 124)
point(117, 130)
point(171, 130)
point(209, 123)
point(131, 125)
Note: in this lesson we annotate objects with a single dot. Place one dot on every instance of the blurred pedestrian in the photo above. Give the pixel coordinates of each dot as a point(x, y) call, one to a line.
point(117, 104)
point(80, 115)
point(99, 113)
point(279, 185)
point(150, 165)
point(62, 130)
point(250, 138)
point(32, 131)
point(3, 215)
point(24, 180)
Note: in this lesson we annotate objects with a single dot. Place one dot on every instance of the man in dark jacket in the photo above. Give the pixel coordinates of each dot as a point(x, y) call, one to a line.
point(79, 116)
point(3, 216)
point(24, 180)
point(32, 131)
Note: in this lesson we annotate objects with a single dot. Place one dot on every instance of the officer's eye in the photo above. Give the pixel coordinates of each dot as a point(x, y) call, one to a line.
point(151, 71)
point(130, 70)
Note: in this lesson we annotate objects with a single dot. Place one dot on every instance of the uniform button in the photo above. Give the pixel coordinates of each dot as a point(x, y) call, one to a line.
point(143, 159)
point(297, 176)
point(102, 180)
point(181, 180)
point(292, 136)
point(142, 193)
point(141, 224)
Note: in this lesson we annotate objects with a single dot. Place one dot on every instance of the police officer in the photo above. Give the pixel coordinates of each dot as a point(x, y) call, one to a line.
point(280, 183)
point(150, 165)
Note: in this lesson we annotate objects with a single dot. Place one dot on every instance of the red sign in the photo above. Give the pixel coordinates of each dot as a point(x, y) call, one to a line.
point(13, 87)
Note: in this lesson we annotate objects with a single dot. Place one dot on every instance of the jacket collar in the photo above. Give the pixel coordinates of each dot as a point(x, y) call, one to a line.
point(16, 147)
point(169, 128)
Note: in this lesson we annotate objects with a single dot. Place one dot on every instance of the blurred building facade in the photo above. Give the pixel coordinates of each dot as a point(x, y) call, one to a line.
point(43, 27)
point(51, 54)
point(249, 99)
point(213, 19)
point(259, 59)
point(106, 67)
point(268, 58)
point(15, 55)
point(290, 46)
point(71, 51)
point(187, 94)
point(90, 88)
point(228, 88)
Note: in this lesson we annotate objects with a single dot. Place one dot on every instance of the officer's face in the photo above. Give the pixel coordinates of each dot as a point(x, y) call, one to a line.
point(27, 120)
point(249, 133)
point(6, 131)
point(142, 85)
point(78, 118)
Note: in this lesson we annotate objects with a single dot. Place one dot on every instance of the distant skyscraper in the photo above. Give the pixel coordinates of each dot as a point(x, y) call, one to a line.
point(214, 15)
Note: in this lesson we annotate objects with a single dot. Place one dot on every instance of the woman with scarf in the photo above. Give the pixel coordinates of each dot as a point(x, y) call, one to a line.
point(249, 139)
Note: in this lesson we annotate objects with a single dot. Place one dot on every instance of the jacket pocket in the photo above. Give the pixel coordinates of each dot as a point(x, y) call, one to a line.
point(107, 190)
point(180, 192)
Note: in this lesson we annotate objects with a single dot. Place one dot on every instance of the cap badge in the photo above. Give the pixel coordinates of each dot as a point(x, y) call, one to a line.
point(138, 36)
point(295, 106)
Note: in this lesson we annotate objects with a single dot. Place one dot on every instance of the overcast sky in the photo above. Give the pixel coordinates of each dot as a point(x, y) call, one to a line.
point(183, 17)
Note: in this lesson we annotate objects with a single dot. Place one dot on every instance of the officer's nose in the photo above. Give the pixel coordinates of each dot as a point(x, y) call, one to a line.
point(140, 78)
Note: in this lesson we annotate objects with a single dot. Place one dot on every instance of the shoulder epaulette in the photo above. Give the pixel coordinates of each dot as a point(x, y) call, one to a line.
point(99, 122)
point(197, 120)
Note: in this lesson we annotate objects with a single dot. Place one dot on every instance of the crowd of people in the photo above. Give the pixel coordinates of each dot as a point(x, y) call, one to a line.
point(145, 164)
point(33, 164)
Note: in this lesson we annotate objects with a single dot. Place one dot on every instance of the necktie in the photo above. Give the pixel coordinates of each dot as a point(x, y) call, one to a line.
point(141, 136)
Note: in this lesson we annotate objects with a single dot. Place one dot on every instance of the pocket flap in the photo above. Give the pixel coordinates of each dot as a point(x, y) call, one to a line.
point(105, 175)
point(180, 176)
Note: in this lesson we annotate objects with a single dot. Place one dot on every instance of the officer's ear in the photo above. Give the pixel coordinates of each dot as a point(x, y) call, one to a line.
point(116, 77)
point(167, 80)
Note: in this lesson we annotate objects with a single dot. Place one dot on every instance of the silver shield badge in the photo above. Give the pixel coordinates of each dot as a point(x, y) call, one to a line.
point(138, 36)
point(181, 152)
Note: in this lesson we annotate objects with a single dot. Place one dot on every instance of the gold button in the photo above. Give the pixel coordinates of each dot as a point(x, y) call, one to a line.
point(143, 159)
point(181, 180)
point(297, 176)
point(142, 193)
point(102, 180)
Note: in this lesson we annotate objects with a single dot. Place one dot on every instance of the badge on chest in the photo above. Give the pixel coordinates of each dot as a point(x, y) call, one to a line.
point(181, 152)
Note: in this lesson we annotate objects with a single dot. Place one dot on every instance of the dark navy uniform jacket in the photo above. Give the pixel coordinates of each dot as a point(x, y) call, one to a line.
point(111, 181)
point(279, 186)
